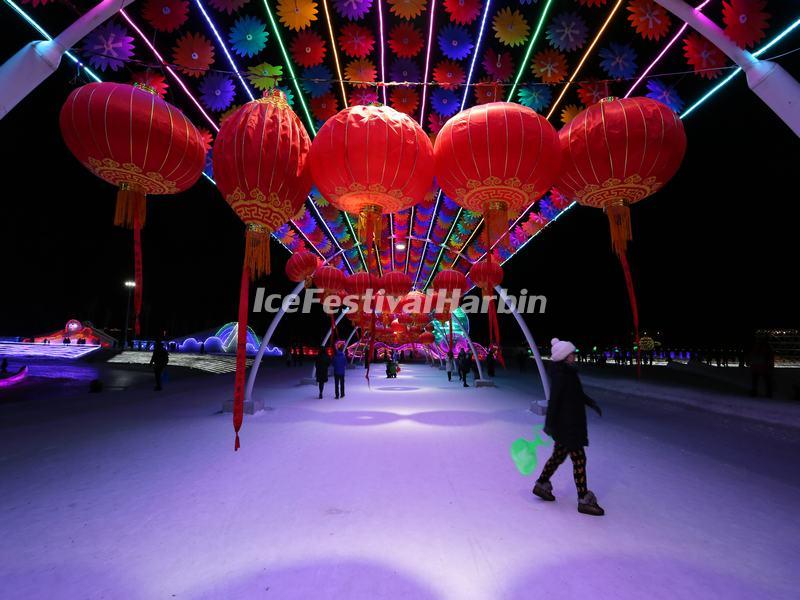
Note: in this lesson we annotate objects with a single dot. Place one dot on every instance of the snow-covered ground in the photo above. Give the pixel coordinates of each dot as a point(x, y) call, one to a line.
point(404, 491)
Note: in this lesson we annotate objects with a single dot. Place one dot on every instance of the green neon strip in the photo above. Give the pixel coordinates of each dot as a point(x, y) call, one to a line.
point(529, 51)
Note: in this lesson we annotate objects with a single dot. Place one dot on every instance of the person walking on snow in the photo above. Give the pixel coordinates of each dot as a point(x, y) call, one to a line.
point(464, 366)
point(339, 366)
point(566, 424)
point(159, 360)
point(321, 365)
point(450, 365)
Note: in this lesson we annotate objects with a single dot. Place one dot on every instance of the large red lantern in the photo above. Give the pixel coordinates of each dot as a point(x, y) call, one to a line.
point(301, 266)
point(618, 152)
point(371, 160)
point(396, 283)
point(497, 159)
point(131, 138)
point(260, 167)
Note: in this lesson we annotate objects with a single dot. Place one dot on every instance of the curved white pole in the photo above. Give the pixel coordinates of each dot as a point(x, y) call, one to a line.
point(531, 342)
point(36, 61)
point(471, 347)
point(768, 80)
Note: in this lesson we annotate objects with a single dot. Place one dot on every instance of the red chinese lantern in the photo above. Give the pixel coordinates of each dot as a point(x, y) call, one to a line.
point(497, 159)
point(260, 168)
point(396, 283)
point(486, 275)
point(426, 337)
point(397, 327)
point(452, 284)
point(131, 138)
point(371, 160)
point(331, 281)
point(301, 266)
point(618, 152)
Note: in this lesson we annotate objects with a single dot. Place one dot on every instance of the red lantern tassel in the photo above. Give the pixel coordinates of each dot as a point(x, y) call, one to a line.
point(619, 220)
point(623, 259)
point(241, 354)
point(256, 253)
point(496, 217)
point(451, 333)
point(370, 226)
point(137, 270)
point(131, 204)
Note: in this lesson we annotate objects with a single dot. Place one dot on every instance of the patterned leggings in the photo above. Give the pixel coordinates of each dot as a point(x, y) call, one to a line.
point(578, 458)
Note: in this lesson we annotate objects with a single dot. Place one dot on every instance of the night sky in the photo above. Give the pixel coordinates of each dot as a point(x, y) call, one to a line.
point(714, 255)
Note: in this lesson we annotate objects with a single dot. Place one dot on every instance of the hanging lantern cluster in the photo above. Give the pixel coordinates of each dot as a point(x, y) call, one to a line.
point(301, 266)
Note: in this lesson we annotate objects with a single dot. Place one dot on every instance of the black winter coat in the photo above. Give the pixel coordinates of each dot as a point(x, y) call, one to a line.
point(321, 365)
point(566, 410)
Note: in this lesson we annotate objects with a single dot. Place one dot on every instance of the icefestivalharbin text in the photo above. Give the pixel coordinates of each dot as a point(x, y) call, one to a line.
point(432, 302)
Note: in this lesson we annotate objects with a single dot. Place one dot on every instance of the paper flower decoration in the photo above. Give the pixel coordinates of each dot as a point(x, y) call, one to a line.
point(444, 102)
point(217, 91)
point(193, 54)
point(36, 3)
point(405, 99)
point(404, 69)
point(449, 74)
point(463, 12)
point(592, 92)
point(248, 36)
point(356, 41)
point(228, 6)
point(207, 138)
point(405, 40)
point(363, 96)
point(317, 81)
point(650, 20)
point(352, 9)
point(569, 112)
point(407, 9)
point(567, 32)
point(265, 76)
point(618, 60)
point(592, 2)
point(308, 49)
point(297, 14)
point(455, 42)
point(510, 27)
point(550, 66)
point(499, 66)
point(435, 122)
point(360, 72)
point(166, 15)
point(488, 91)
point(324, 107)
point(288, 94)
point(658, 90)
point(108, 46)
point(536, 97)
point(745, 21)
point(703, 56)
point(152, 79)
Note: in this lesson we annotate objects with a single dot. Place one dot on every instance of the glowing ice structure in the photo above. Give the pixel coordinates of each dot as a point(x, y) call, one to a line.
point(63, 351)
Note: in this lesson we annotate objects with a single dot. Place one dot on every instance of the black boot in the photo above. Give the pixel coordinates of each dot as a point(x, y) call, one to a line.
point(544, 489)
point(587, 504)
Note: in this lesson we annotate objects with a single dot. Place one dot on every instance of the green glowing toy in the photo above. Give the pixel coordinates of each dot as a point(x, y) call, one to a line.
point(523, 452)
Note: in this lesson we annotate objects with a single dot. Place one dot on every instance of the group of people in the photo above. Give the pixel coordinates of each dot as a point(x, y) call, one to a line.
point(465, 363)
point(323, 363)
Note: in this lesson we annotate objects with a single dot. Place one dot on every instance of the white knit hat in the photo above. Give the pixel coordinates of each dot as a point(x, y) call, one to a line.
point(560, 349)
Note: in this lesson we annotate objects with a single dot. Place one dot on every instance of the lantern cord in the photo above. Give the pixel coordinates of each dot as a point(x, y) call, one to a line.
point(494, 325)
point(241, 353)
point(619, 220)
point(626, 269)
point(137, 270)
point(451, 333)
point(333, 331)
point(256, 253)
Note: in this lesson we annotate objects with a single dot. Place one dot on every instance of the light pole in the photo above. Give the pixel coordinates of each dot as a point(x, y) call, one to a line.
point(130, 285)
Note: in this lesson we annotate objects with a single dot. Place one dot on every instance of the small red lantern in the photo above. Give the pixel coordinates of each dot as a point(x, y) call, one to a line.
point(487, 274)
point(426, 337)
point(452, 284)
point(497, 159)
point(301, 266)
point(396, 283)
point(329, 279)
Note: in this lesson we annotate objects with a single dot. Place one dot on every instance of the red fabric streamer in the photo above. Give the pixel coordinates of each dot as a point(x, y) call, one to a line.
point(137, 270)
point(626, 269)
point(241, 354)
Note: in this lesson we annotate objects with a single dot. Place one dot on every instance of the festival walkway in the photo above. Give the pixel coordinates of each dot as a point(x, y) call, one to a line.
point(404, 491)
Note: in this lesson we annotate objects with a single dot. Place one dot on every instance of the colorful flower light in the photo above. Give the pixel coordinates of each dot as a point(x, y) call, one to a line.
point(228, 6)
point(405, 99)
point(108, 46)
point(499, 66)
point(592, 2)
point(248, 36)
point(567, 32)
point(745, 21)
point(449, 74)
point(166, 15)
point(153, 80)
point(360, 73)
point(445, 102)
point(324, 107)
point(308, 49)
point(569, 112)
point(591, 92)
point(407, 9)
point(510, 27)
point(287, 93)
point(297, 14)
point(537, 97)
point(455, 42)
point(317, 81)
point(352, 9)
point(405, 40)
point(265, 76)
point(650, 19)
point(217, 91)
point(404, 69)
point(436, 122)
point(658, 90)
point(463, 12)
point(550, 66)
point(703, 56)
point(618, 60)
point(193, 54)
point(356, 40)
point(487, 91)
